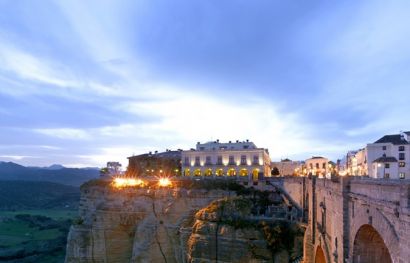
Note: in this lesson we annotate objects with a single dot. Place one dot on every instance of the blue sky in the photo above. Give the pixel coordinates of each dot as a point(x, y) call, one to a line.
point(86, 82)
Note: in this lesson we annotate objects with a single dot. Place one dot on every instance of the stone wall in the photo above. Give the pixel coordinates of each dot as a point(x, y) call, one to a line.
point(339, 208)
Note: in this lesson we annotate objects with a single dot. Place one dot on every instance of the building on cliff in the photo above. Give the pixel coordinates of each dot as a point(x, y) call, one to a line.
point(213, 159)
point(166, 163)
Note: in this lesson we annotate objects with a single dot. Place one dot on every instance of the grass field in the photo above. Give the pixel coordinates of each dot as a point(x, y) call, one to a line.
point(40, 233)
point(60, 214)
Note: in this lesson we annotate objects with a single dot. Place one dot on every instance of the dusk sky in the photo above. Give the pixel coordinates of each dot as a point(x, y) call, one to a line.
point(86, 82)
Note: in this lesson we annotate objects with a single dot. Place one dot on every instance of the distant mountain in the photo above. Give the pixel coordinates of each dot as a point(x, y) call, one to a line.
point(54, 173)
point(20, 195)
point(54, 167)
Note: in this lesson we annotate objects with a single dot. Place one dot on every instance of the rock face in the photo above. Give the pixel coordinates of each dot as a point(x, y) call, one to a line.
point(135, 225)
point(162, 225)
point(211, 241)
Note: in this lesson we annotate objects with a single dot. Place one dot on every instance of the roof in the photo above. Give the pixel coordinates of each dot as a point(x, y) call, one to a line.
point(384, 159)
point(166, 154)
point(407, 132)
point(395, 139)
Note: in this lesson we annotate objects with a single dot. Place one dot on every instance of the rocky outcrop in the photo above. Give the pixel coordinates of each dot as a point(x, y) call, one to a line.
point(135, 225)
point(164, 225)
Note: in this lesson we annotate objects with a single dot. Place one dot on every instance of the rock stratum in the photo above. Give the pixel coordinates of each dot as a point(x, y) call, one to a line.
point(180, 224)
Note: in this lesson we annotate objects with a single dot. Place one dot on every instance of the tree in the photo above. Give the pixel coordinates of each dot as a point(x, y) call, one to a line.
point(275, 171)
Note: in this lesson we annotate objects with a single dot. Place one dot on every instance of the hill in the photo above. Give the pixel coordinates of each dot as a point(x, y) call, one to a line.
point(57, 174)
point(20, 195)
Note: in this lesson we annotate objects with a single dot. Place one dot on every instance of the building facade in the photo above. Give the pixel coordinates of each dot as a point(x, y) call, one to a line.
point(241, 159)
point(318, 166)
point(286, 167)
point(355, 163)
point(389, 157)
point(166, 163)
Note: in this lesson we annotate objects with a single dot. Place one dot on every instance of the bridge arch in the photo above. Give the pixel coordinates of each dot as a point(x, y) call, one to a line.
point(320, 255)
point(369, 246)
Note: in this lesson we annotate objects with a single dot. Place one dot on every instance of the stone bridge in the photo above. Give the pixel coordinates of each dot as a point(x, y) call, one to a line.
point(352, 219)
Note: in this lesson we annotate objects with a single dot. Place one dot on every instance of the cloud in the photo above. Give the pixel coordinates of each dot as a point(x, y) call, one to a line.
point(65, 133)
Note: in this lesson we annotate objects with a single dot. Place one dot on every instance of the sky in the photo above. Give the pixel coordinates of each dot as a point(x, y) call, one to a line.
point(86, 82)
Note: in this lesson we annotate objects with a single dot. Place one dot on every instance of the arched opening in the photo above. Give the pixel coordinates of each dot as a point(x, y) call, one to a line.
point(369, 246)
point(197, 172)
point(231, 172)
point(255, 174)
point(208, 172)
point(243, 172)
point(219, 172)
point(187, 172)
point(320, 255)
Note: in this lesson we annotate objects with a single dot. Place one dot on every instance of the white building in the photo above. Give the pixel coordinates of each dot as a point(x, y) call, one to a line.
point(389, 157)
point(241, 159)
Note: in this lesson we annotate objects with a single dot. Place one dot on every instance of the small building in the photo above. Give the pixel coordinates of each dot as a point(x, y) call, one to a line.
point(166, 163)
point(286, 167)
point(241, 159)
point(318, 166)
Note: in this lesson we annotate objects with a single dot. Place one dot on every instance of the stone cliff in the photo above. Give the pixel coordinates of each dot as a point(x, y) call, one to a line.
point(165, 225)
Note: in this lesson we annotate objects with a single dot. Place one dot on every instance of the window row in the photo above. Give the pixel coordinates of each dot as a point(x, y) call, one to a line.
point(219, 161)
point(221, 172)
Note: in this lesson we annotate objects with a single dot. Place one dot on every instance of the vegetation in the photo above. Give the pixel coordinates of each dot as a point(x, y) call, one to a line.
point(237, 212)
point(33, 237)
point(22, 195)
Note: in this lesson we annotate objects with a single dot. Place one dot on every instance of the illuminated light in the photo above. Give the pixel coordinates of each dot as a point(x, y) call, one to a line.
point(261, 162)
point(379, 165)
point(237, 163)
point(119, 182)
point(164, 182)
point(249, 163)
point(160, 171)
point(127, 182)
point(152, 170)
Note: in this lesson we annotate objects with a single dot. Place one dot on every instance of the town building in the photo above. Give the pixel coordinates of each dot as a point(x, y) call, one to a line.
point(286, 167)
point(318, 166)
point(241, 159)
point(166, 163)
point(389, 157)
point(354, 163)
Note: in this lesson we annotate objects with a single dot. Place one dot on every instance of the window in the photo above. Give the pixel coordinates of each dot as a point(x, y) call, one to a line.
point(402, 175)
point(243, 159)
point(386, 175)
point(386, 165)
point(402, 164)
point(197, 161)
point(401, 156)
point(219, 162)
point(401, 148)
point(311, 165)
point(186, 161)
point(384, 148)
point(246, 146)
point(324, 165)
point(317, 165)
point(201, 148)
point(255, 159)
point(231, 160)
point(208, 160)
